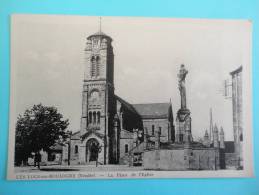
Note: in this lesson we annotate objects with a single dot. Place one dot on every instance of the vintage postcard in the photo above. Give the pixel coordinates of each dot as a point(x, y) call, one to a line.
point(129, 97)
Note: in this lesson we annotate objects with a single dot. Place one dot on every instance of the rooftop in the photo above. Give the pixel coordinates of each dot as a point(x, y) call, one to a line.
point(153, 110)
point(99, 34)
point(126, 104)
point(239, 69)
point(75, 135)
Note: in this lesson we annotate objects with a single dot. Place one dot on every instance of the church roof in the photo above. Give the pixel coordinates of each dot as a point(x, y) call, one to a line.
point(239, 69)
point(153, 110)
point(75, 135)
point(99, 34)
point(129, 106)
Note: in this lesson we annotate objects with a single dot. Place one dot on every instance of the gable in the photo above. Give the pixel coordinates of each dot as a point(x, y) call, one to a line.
point(75, 135)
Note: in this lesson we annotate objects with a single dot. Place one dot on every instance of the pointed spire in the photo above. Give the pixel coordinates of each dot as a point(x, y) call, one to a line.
point(215, 137)
point(206, 133)
point(211, 125)
point(216, 128)
point(221, 131)
point(222, 138)
point(206, 140)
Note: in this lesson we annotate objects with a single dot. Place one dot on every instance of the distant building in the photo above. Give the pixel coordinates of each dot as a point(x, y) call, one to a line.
point(227, 159)
point(237, 114)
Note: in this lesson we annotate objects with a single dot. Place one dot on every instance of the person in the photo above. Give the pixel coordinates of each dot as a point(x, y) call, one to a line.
point(37, 159)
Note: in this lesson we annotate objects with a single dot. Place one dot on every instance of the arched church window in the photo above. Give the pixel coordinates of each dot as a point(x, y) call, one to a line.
point(90, 117)
point(95, 43)
point(94, 117)
point(97, 66)
point(126, 148)
point(98, 117)
point(93, 66)
point(153, 129)
point(76, 149)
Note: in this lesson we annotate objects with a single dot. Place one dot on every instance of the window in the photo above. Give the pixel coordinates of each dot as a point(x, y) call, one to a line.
point(95, 42)
point(160, 130)
point(126, 148)
point(94, 117)
point(153, 129)
point(97, 66)
point(93, 66)
point(76, 149)
point(98, 117)
point(90, 117)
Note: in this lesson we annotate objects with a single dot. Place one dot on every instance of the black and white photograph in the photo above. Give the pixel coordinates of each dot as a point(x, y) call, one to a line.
point(129, 97)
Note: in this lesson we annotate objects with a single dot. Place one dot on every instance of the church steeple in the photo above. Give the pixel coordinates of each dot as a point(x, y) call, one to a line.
point(98, 105)
point(99, 57)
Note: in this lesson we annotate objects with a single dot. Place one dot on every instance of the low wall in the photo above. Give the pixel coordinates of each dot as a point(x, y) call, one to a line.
point(230, 160)
point(181, 159)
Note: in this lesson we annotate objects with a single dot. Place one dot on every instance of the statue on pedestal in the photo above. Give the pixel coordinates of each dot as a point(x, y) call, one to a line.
point(181, 85)
point(183, 120)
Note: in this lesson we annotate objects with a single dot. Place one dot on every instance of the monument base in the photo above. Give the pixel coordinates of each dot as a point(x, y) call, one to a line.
point(183, 126)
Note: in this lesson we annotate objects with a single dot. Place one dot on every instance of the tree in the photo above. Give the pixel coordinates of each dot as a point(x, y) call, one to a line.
point(39, 128)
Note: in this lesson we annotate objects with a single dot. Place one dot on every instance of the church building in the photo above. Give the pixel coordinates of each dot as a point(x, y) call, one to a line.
point(111, 128)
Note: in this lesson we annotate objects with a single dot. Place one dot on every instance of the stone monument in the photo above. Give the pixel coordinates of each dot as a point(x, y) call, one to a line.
point(183, 119)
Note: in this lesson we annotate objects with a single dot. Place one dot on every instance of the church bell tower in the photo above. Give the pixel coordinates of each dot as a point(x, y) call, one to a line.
point(98, 91)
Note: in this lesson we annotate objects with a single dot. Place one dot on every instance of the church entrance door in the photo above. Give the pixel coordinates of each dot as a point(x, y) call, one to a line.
point(92, 150)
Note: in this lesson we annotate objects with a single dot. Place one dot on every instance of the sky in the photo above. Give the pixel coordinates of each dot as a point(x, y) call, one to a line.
point(48, 63)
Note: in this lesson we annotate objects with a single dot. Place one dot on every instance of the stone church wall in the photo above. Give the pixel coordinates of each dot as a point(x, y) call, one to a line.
point(163, 123)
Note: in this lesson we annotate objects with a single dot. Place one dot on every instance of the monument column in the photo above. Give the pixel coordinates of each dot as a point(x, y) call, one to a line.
point(183, 120)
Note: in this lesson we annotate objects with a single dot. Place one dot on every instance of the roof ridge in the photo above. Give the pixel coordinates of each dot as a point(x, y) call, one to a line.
point(126, 103)
point(78, 131)
point(152, 103)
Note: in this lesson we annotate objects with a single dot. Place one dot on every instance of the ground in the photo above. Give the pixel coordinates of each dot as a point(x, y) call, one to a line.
point(55, 168)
